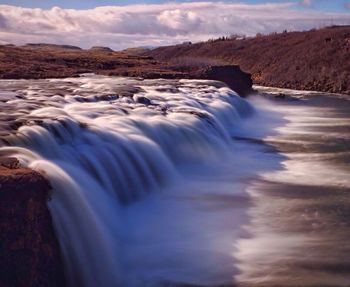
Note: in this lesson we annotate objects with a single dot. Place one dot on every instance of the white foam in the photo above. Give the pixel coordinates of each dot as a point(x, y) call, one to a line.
point(141, 192)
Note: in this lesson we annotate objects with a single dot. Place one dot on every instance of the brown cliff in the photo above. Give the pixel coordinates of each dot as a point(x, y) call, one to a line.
point(29, 251)
point(231, 75)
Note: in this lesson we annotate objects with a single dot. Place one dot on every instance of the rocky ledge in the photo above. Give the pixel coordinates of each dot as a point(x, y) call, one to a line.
point(29, 251)
point(231, 75)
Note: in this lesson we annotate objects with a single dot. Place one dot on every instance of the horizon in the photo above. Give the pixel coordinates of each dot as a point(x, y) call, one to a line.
point(154, 47)
point(335, 5)
point(158, 23)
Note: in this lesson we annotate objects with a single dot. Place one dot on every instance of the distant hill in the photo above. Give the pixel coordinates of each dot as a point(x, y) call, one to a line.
point(101, 49)
point(311, 60)
point(46, 47)
point(137, 51)
point(34, 61)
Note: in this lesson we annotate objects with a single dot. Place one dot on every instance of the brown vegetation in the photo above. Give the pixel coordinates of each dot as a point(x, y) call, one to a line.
point(55, 61)
point(36, 61)
point(312, 60)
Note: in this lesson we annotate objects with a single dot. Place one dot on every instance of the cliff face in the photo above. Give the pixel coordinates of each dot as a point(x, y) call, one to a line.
point(29, 251)
point(231, 75)
point(312, 60)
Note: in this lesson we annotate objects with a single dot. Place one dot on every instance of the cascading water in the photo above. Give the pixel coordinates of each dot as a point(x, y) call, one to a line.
point(104, 143)
point(183, 183)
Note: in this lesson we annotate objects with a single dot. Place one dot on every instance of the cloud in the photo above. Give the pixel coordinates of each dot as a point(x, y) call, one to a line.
point(347, 5)
point(2, 22)
point(306, 2)
point(179, 20)
point(154, 24)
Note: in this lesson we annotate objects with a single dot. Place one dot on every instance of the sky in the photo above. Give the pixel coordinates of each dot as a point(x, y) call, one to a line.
point(122, 24)
point(325, 5)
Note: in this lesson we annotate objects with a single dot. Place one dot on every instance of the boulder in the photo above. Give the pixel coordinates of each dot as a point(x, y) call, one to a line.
point(232, 75)
point(143, 100)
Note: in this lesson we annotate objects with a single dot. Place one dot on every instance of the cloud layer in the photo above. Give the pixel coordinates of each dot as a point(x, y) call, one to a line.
point(157, 24)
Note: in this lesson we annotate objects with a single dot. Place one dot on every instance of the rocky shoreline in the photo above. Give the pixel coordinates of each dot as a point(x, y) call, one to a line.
point(29, 251)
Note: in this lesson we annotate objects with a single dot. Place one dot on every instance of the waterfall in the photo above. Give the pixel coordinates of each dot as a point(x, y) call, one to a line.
point(108, 143)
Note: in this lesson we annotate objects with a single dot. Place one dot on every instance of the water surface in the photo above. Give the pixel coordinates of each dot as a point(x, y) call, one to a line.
point(173, 183)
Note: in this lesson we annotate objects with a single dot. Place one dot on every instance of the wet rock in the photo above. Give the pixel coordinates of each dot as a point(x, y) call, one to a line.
point(280, 96)
point(110, 97)
point(98, 98)
point(231, 75)
point(143, 100)
point(9, 162)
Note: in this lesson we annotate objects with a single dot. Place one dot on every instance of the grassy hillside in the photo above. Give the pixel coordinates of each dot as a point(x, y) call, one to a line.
point(311, 60)
point(48, 61)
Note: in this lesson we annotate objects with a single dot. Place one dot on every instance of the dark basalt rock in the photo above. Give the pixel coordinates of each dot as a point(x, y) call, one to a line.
point(143, 100)
point(231, 75)
point(280, 96)
point(29, 251)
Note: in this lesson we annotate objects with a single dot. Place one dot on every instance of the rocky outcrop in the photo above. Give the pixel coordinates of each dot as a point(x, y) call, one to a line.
point(231, 75)
point(29, 251)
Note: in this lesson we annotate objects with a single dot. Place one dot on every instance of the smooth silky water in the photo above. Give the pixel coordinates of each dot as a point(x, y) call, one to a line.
point(167, 182)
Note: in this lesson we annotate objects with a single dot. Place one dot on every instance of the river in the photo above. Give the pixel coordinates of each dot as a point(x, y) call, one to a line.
point(183, 183)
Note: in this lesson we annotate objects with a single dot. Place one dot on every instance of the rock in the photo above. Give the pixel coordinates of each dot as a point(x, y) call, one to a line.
point(143, 100)
point(9, 162)
point(231, 75)
point(29, 251)
point(280, 96)
point(110, 97)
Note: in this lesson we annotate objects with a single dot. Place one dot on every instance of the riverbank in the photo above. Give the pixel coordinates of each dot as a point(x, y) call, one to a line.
point(315, 60)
